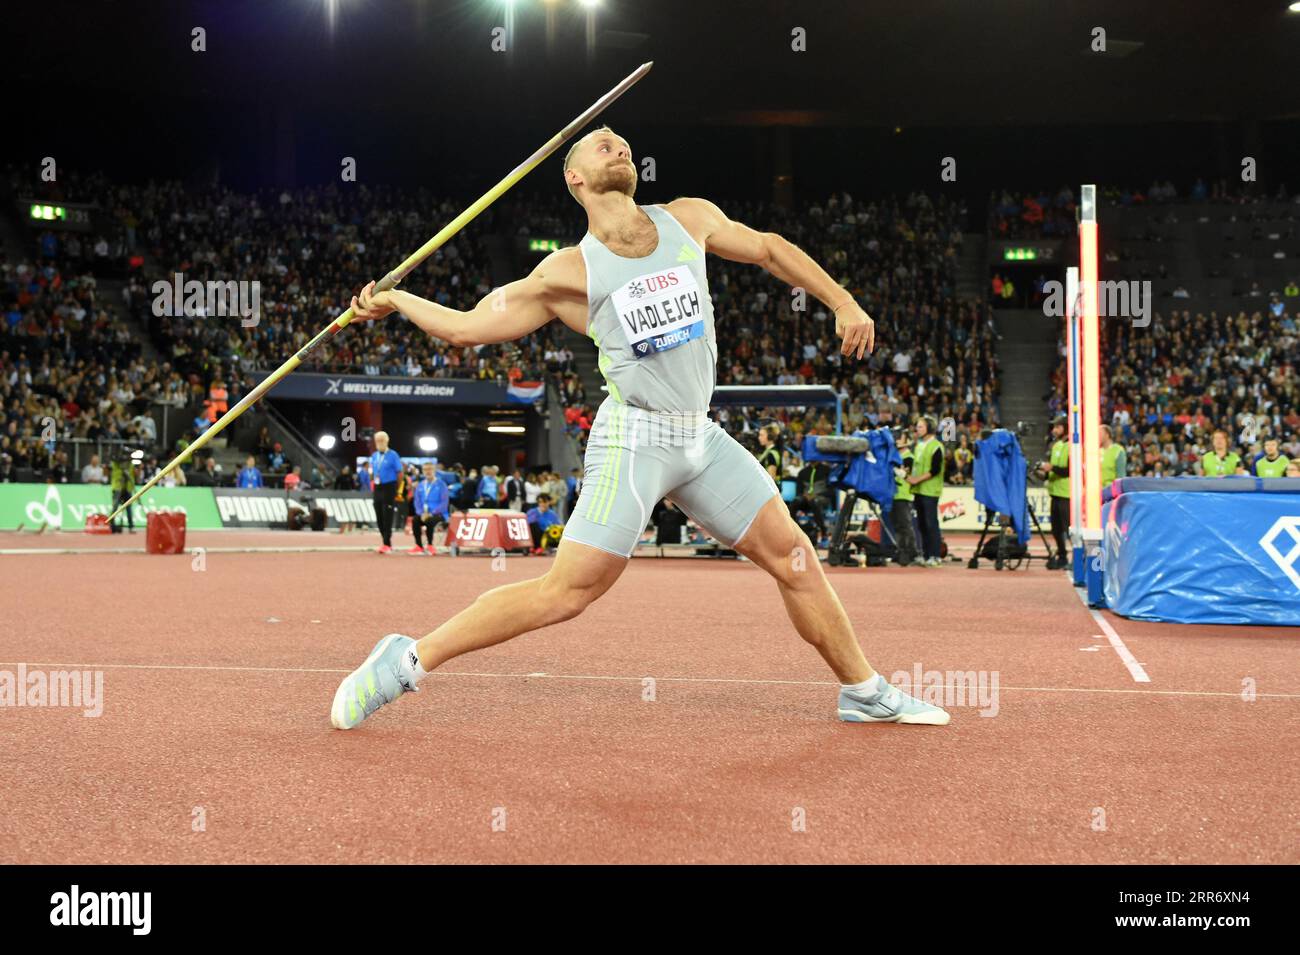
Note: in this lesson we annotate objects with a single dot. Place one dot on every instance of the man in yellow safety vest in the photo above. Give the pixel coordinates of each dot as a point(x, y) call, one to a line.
point(1220, 462)
point(1056, 470)
point(1114, 459)
point(926, 481)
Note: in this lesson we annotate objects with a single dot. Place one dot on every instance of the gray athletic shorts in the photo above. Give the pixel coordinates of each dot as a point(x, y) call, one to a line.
point(635, 457)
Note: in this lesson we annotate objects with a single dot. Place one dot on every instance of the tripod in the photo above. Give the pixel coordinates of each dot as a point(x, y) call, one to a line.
point(838, 552)
point(1006, 557)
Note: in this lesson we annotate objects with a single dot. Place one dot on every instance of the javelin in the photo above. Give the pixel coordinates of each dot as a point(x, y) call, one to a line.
point(390, 280)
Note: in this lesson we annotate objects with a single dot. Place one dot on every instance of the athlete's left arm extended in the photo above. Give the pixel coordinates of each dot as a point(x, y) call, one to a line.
point(738, 242)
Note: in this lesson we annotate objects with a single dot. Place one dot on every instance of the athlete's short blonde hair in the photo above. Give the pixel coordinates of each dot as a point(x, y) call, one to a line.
point(568, 158)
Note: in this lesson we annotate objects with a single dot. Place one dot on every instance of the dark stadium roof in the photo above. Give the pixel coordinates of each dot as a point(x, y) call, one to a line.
point(868, 62)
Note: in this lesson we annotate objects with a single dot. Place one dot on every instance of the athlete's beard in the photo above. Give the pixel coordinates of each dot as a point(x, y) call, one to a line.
point(615, 177)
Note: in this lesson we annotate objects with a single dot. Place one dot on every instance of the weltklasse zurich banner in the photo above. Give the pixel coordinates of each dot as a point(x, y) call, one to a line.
point(305, 386)
point(237, 507)
point(66, 506)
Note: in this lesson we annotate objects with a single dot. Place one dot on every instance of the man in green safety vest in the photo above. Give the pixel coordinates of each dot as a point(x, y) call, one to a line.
point(1056, 470)
point(1114, 459)
point(926, 481)
point(122, 483)
point(1221, 462)
point(1271, 464)
point(901, 514)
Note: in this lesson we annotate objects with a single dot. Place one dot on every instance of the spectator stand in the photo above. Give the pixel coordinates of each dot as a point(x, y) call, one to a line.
point(1220, 343)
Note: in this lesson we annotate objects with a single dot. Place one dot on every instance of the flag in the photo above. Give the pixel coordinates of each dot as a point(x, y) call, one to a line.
point(525, 392)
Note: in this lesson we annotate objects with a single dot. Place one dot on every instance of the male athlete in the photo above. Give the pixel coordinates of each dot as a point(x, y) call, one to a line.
point(636, 285)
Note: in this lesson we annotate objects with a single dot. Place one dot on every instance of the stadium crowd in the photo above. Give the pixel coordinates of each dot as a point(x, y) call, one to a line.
point(71, 359)
point(1169, 387)
point(71, 371)
point(305, 248)
point(1032, 215)
point(1054, 215)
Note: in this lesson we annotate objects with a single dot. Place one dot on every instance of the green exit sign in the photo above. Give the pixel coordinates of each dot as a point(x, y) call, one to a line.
point(543, 245)
point(48, 213)
point(1019, 255)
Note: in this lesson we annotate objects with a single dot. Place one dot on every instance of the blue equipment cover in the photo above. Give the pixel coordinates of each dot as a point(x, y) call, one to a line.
point(870, 474)
point(1000, 479)
point(809, 451)
point(1204, 557)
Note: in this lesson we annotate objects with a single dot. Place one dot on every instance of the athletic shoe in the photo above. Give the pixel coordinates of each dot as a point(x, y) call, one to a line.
point(384, 549)
point(890, 705)
point(918, 562)
point(934, 562)
point(376, 682)
point(416, 550)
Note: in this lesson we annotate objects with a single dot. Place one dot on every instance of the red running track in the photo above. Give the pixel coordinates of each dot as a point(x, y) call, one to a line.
point(217, 687)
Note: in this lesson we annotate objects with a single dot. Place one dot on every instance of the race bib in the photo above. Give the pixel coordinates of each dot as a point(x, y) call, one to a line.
point(660, 310)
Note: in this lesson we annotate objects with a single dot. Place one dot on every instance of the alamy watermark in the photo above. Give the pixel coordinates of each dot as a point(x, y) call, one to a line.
point(77, 689)
point(195, 299)
point(1129, 299)
point(128, 909)
point(949, 688)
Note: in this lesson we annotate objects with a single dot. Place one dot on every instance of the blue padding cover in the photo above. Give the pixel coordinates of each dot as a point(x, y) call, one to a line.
point(1204, 557)
point(1279, 485)
point(1237, 484)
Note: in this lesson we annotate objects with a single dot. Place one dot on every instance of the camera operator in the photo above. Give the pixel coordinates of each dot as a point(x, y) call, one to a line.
point(1056, 471)
point(926, 481)
point(901, 515)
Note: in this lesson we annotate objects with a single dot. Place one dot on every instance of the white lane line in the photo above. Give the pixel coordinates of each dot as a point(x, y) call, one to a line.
point(174, 666)
point(28, 551)
point(591, 677)
point(1134, 668)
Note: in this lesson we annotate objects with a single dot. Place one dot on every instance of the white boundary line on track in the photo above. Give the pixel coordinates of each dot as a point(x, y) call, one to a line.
point(619, 679)
point(1134, 668)
point(28, 551)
